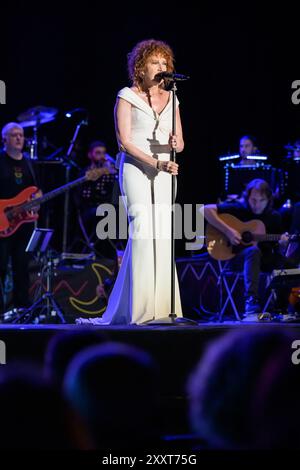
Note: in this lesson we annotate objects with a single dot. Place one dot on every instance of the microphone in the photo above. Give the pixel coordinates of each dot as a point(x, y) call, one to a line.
point(177, 77)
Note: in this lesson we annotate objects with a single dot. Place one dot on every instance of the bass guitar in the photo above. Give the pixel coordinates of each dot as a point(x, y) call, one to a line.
point(23, 208)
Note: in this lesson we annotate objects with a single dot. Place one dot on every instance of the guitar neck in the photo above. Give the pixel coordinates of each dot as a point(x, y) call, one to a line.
point(267, 237)
point(56, 192)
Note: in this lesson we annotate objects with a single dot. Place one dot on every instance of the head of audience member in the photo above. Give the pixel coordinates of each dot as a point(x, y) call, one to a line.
point(13, 139)
point(114, 388)
point(62, 348)
point(258, 196)
point(244, 393)
point(35, 415)
point(248, 146)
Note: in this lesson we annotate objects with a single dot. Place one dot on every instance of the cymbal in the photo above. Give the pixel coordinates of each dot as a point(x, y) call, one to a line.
point(37, 115)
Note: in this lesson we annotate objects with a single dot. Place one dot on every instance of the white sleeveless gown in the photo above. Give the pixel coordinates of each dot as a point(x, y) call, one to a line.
point(142, 290)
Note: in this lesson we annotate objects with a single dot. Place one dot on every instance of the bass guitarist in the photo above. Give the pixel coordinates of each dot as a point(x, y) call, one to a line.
point(16, 173)
point(256, 204)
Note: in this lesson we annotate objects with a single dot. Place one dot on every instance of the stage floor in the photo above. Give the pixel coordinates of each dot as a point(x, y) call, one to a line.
point(177, 348)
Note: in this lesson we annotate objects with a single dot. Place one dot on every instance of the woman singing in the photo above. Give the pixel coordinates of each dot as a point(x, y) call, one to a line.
point(143, 122)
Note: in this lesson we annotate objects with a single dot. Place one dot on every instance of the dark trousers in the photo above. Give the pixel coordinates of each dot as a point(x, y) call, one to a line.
point(14, 247)
point(253, 263)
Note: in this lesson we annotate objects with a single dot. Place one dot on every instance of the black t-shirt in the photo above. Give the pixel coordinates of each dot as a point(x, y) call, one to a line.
point(271, 219)
point(15, 175)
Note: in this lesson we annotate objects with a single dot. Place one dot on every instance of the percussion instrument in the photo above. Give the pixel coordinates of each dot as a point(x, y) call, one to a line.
point(36, 116)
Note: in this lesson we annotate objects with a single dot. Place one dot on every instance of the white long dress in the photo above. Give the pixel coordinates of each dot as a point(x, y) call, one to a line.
point(142, 290)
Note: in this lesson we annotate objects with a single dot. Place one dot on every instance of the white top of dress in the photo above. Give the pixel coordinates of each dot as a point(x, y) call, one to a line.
point(149, 130)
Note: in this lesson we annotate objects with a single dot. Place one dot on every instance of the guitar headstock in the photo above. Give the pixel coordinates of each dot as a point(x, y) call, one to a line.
point(94, 173)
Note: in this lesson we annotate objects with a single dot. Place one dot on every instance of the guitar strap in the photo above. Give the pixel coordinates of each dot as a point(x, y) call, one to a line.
point(32, 172)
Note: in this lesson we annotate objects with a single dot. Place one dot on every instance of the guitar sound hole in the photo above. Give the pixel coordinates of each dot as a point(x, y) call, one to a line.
point(247, 237)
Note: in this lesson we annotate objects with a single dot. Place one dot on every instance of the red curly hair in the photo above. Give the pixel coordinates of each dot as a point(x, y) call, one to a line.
point(139, 55)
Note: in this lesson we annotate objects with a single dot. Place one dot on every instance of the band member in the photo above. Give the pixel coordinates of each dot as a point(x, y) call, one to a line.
point(16, 174)
point(266, 256)
point(248, 146)
point(99, 157)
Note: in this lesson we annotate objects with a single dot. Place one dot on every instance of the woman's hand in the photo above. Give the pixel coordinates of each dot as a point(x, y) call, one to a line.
point(168, 167)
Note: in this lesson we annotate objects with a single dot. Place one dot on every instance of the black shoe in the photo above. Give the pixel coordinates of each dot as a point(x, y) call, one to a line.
point(252, 306)
point(266, 316)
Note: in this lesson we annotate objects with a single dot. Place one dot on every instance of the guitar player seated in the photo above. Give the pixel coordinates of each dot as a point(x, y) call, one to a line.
point(256, 204)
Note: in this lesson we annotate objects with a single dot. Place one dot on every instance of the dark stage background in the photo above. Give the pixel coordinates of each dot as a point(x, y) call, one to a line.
point(241, 62)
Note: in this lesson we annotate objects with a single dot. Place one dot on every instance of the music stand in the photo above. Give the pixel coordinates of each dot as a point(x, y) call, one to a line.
point(46, 306)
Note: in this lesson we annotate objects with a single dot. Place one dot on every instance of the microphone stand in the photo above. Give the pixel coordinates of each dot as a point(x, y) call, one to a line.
point(172, 314)
point(172, 318)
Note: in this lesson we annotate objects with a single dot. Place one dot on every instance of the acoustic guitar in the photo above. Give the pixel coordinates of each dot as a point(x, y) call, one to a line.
point(252, 232)
point(23, 208)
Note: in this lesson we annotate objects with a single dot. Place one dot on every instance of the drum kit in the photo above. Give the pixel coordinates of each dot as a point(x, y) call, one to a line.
point(284, 181)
